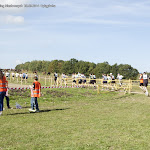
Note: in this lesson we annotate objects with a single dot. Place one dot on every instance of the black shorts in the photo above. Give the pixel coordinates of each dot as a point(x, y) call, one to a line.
point(104, 81)
point(145, 82)
point(141, 84)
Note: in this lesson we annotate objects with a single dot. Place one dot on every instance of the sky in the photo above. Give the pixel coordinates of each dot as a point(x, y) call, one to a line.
point(116, 31)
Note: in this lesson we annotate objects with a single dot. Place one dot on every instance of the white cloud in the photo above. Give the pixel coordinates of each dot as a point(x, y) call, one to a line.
point(14, 19)
point(108, 8)
point(11, 19)
point(14, 30)
point(18, 61)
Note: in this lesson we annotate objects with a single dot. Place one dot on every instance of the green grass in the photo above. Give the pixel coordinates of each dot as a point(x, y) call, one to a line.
point(77, 119)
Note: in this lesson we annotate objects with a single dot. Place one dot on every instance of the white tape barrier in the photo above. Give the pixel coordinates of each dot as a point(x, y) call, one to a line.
point(50, 87)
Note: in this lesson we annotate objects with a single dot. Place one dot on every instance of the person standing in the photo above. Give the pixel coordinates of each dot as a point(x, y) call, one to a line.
point(3, 89)
point(35, 93)
point(6, 96)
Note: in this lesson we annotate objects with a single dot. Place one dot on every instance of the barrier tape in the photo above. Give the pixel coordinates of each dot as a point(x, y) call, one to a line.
point(49, 87)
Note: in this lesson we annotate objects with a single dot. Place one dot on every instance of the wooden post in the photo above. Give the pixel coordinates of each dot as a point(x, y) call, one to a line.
point(10, 77)
point(51, 81)
point(57, 81)
point(98, 89)
point(49, 78)
point(45, 80)
point(61, 81)
point(77, 81)
point(17, 79)
point(129, 86)
point(21, 80)
point(117, 85)
point(25, 80)
point(66, 82)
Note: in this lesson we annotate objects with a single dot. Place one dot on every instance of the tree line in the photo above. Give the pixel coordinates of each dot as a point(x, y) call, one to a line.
point(75, 66)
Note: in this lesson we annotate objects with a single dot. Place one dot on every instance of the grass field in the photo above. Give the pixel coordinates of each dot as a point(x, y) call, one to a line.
point(77, 119)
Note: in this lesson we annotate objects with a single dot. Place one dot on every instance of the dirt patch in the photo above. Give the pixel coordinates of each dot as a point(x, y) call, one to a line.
point(87, 94)
point(13, 85)
point(58, 93)
point(19, 92)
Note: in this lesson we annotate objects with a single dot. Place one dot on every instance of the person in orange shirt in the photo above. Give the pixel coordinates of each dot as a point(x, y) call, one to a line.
point(3, 89)
point(35, 93)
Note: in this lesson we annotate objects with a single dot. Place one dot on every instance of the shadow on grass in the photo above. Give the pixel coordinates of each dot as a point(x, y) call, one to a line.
point(41, 111)
point(119, 97)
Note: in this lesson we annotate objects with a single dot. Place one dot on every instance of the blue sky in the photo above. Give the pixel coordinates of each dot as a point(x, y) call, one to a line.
point(116, 31)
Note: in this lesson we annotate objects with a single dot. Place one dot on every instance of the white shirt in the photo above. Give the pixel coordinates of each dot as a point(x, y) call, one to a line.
point(13, 74)
point(120, 77)
point(17, 74)
point(145, 76)
point(108, 77)
point(56, 75)
point(7, 74)
point(94, 77)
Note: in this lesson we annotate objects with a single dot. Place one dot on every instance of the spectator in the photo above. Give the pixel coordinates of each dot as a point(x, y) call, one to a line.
point(35, 93)
point(7, 98)
point(3, 88)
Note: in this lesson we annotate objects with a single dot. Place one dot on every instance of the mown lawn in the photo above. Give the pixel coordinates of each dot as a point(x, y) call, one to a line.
point(77, 119)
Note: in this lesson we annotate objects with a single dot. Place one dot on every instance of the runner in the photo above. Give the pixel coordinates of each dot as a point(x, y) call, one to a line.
point(145, 83)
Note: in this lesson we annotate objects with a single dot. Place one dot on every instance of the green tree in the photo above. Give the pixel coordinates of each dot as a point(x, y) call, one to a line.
point(127, 71)
point(102, 68)
point(114, 70)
